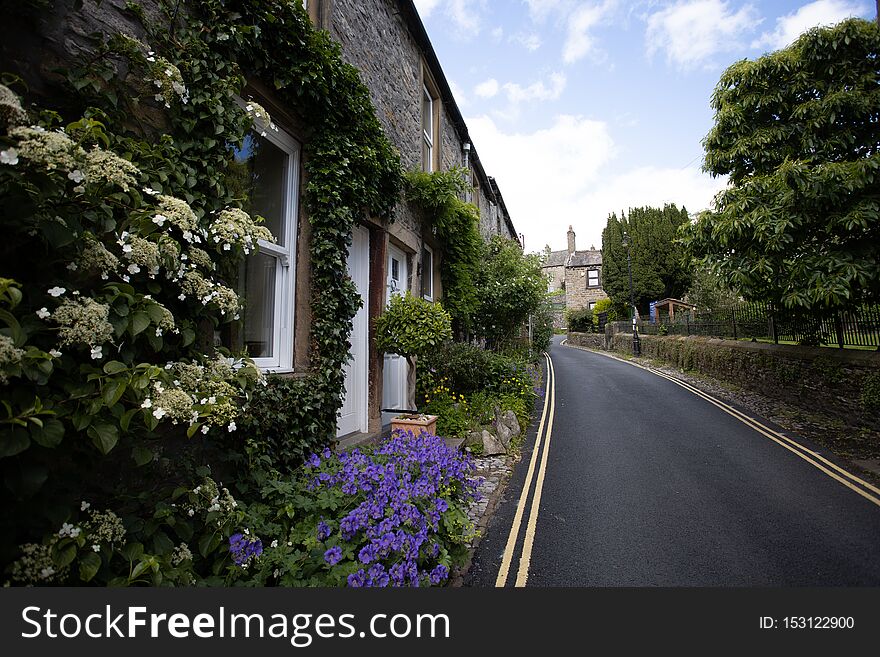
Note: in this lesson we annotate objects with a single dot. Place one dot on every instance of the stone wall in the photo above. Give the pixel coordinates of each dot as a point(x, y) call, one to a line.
point(844, 383)
point(588, 340)
point(577, 294)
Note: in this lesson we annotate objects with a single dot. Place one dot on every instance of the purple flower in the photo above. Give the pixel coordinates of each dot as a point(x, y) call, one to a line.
point(324, 531)
point(243, 549)
point(326, 453)
point(333, 555)
point(314, 461)
point(367, 554)
point(358, 579)
point(439, 574)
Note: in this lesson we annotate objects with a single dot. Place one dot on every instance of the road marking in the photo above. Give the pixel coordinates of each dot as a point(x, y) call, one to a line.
point(521, 505)
point(793, 446)
point(525, 559)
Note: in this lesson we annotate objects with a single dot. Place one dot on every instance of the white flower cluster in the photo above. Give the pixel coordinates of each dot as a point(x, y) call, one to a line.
point(96, 258)
point(9, 355)
point(11, 112)
point(104, 527)
point(208, 497)
point(259, 115)
point(35, 565)
point(180, 554)
point(140, 253)
point(235, 227)
point(167, 322)
point(166, 76)
point(173, 403)
point(108, 168)
point(195, 285)
point(83, 321)
point(54, 150)
point(178, 213)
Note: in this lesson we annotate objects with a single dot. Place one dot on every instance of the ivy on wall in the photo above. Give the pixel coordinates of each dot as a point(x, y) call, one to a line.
point(164, 104)
point(457, 225)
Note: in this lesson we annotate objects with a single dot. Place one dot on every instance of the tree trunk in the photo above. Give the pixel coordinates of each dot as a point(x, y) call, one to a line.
point(411, 383)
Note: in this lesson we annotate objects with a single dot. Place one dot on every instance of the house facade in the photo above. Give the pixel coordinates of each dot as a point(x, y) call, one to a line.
point(576, 277)
point(386, 41)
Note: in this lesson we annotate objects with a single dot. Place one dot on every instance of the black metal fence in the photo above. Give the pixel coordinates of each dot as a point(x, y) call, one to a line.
point(859, 328)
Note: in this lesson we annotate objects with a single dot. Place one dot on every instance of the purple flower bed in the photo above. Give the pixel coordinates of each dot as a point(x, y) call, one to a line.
point(407, 518)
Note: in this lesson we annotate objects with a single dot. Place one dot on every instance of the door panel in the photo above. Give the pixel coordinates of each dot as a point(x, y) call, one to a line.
point(395, 367)
point(353, 414)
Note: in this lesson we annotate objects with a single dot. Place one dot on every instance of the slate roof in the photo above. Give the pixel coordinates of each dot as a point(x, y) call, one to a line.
point(586, 258)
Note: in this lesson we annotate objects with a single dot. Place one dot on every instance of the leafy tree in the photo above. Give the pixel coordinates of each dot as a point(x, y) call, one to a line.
point(797, 132)
point(708, 291)
point(658, 265)
point(510, 287)
point(411, 327)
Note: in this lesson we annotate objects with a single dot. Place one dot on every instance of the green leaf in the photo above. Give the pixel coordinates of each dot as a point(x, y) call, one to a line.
point(14, 441)
point(113, 391)
point(142, 455)
point(115, 367)
point(89, 566)
point(50, 434)
point(139, 321)
point(104, 436)
point(207, 543)
point(63, 553)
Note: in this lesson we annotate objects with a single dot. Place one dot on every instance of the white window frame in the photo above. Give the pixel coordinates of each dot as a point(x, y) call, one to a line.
point(428, 135)
point(284, 252)
point(590, 278)
point(592, 305)
point(429, 272)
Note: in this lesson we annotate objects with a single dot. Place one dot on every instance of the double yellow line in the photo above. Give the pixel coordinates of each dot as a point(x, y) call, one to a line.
point(542, 440)
point(851, 481)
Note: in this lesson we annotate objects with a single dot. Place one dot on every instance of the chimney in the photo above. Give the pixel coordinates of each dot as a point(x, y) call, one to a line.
point(570, 241)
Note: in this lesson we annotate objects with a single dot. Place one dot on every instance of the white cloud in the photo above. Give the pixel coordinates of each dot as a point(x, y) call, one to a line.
point(425, 7)
point(461, 98)
point(530, 42)
point(820, 12)
point(557, 176)
point(487, 88)
point(517, 94)
point(540, 9)
point(692, 32)
point(580, 22)
point(466, 15)
point(497, 34)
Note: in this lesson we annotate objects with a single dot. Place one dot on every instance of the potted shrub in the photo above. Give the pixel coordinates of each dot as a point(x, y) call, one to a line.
point(409, 327)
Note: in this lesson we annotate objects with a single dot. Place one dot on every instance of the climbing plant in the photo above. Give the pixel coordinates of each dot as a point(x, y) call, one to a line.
point(124, 236)
point(438, 194)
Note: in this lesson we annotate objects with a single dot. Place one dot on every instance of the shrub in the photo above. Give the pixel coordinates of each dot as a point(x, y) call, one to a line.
point(393, 515)
point(579, 321)
point(411, 326)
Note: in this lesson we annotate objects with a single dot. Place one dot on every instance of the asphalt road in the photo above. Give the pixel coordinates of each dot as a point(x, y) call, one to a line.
point(647, 484)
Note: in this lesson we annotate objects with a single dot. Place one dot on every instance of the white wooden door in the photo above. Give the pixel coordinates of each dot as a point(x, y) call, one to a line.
point(353, 414)
point(395, 367)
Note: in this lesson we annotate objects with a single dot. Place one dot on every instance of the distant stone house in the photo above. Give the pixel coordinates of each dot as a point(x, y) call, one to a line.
point(387, 42)
point(576, 277)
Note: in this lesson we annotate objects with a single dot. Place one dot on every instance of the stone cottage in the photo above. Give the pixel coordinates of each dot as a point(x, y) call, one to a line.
point(387, 42)
point(576, 277)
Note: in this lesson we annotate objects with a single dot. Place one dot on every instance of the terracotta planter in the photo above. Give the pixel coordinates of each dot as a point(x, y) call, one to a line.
point(418, 424)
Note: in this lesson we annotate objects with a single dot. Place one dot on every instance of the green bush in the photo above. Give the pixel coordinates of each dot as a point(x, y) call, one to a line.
point(579, 321)
point(412, 326)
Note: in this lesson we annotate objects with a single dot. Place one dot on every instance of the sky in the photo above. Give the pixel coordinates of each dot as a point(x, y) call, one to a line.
point(580, 108)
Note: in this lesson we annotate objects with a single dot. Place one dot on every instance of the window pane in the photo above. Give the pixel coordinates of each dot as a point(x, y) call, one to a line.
point(258, 177)
point(427, 274)
point(259, 317)
point(427, 164)
point(427, 114)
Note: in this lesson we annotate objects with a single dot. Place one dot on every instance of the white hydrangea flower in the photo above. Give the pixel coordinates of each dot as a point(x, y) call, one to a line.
point(159, 413)
point(84, 506)
point(96, 352)
point(76, 176)
point(56, 291)
point(43, 313)
point(9, 156)
point(55, 353)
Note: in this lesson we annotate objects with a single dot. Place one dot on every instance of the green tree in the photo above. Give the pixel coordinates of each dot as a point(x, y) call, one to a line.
point(708, 292)
point(659, 269)
point(797, 132)
point(510, 287)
